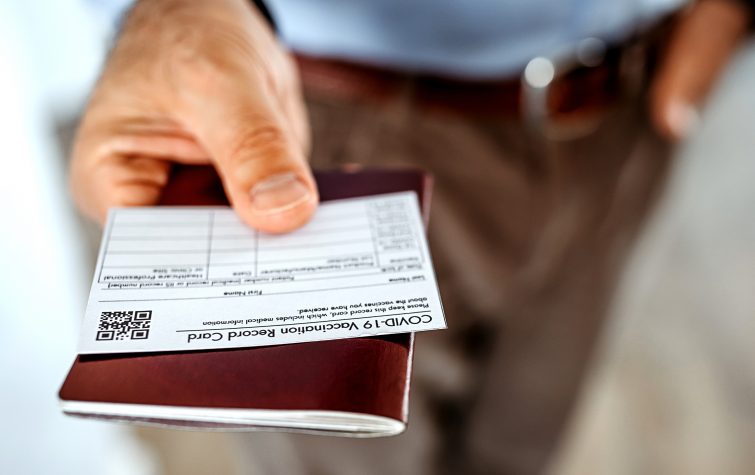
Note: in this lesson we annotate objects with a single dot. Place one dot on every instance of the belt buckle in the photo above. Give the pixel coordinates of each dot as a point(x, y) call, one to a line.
point(539, 80)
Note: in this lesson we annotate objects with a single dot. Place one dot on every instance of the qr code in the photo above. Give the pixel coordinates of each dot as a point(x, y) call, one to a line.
point(132, 325)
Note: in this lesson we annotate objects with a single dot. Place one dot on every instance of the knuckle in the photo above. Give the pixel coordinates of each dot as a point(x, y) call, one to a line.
point(209, 58)
point(198, 72)
point(261, 142)
point(150, 171)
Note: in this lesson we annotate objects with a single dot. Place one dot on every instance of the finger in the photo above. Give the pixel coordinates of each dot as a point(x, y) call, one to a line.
point(706, 36)
point(119, 181)
point(259, 158)
point(167, 147)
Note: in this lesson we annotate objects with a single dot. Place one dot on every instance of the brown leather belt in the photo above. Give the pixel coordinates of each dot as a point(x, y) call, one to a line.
point(583, 88)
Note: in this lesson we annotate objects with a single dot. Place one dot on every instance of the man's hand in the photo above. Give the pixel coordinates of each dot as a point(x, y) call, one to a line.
point(197, 82)
point(703, 41)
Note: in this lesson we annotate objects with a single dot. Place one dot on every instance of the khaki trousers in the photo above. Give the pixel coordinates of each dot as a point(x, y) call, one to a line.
point(528, 238)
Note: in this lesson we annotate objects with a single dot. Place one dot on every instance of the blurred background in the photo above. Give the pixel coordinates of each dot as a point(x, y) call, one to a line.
point(50, 53)
point(671, 390)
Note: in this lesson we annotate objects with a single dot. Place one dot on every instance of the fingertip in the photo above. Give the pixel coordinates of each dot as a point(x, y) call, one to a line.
point(280, 204)
point(681, 119)
point(677, 118)
point(278, 193)
point(288, 220)
point(126, 195)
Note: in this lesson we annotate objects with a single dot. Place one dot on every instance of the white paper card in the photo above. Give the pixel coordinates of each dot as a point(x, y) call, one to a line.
point(192, 278)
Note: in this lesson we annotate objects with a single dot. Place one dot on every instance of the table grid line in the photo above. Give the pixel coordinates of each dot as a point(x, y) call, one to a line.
point(373, 233)
point(342, 217)
point(223, 236)
point(228, 264)
point(300, 278)
point(209, 243)
point(105, 246)
point(256, 251)
point(362, 260)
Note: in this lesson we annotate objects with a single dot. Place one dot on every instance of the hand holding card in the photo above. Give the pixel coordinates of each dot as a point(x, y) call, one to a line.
point(356, 387)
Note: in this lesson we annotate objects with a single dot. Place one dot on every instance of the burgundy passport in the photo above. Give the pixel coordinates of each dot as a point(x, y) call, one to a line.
point(354, 387)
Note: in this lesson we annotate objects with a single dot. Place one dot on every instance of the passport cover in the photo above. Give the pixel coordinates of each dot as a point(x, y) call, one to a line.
point(353, 387)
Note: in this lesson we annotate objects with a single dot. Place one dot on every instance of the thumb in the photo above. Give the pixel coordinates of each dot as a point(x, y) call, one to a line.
point(701, 44)
point(259, 158)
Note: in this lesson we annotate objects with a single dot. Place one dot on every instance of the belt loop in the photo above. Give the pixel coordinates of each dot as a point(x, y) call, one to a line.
point(537, 83)
point(538, 78)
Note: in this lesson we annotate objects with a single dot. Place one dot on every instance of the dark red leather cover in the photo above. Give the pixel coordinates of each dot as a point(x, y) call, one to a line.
point(363, 375)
